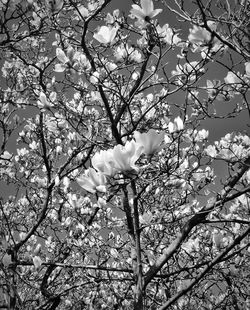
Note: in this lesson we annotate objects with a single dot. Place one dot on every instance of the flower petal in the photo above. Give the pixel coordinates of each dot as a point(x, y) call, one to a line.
point(147, 6)
point(154, 13)
point(86, 184)
point(59, 67)
point(137, 13)
point(61, 55)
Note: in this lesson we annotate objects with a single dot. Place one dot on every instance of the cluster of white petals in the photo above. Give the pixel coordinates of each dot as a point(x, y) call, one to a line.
point(54, 5)
point(126, 156)
point(72, 59)
point(105, 34)
point(177, 125)
point(61, 56)
point(92, 181)
point(104, 163)
point(146, 11)
point(247, 69)
point(120, 159)
point(203, 40)
point(199, 35)
point(124, 52)
point(232, 78)
point(231, 147)
point(167, 35)
point(150, 141)
point(187, 72)
point(45, 102)
point(213, 89)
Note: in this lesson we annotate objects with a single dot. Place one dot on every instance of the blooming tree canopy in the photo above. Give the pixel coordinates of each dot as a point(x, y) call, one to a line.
point(124, 154)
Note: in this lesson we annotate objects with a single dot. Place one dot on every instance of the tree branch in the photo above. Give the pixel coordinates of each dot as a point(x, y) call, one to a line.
point(216, 260)
point(198, 218)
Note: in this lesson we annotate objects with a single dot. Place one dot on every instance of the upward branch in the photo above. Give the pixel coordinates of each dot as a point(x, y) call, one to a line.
point(216, 260)
point(197, 219)
point(115, 131)
point(139, 286)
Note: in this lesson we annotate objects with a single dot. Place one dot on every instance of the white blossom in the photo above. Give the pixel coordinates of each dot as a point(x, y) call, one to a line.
point(105, 35)
point(103, 161)
point(232, 78)
point(247, 69)
point(177, 125)
point(37, 261)
point(92, 181)
point(167, 35)
point(200, 35)
point(150, 141)
point(126, 156)
point(146, 11)
point(94, 78)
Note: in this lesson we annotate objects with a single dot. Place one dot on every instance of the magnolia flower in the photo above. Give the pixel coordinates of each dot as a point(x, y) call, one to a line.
point(232, 78)
point(121, 52)
point(105, 35)
point(135, 56)
point(126, 156)
point(189, 70)
point(81, 61)
point(92, 181)
point(5, 156)
point(36, 20)
point(43, 102)
point(150, 141)
point(6, 260)
point(61, 56)
point(217, 239)
point(177, 125)
point(199, 35)
point(247, 69)
point(146, 11)
point(201, 175)
point(94, 78)
point(200, 135)
point(111, 19)
point(55, 5)
point(83, 12)
point(124, 52)
point(167, 35)
point(202, 38)
point(104, 162)
point(211, 88)
point(211, 151)
point(37, 262)
point(111, 66)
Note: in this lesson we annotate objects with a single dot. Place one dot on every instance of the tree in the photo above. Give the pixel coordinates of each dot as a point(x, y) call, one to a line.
point(124, 155)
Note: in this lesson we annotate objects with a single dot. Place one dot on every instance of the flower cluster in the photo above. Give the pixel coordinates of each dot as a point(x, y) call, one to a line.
point(232, 147)
point(124, 52)
point(150, 141)
point(176, 126)
point(167, 35)
point(119, 159)
point(105, 34)
point(203, 40)
point(145, 12)
point(199, 35)
point(234, 83)
point(247, 69)
point(187, 73)
point(71, 60)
